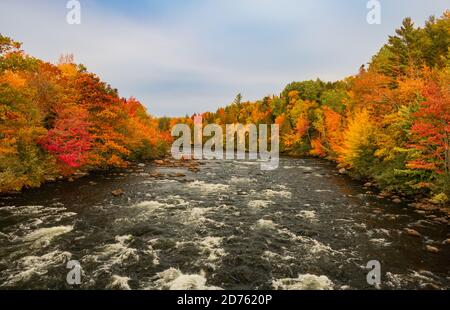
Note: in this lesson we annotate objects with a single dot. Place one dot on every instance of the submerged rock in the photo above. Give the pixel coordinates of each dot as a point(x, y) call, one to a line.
point(156, 175)
point(432, 249)
point(385, 194)
point(79, 175)
point(441, 220)
point(118, 192)
point(412, 232)
point(176, 175)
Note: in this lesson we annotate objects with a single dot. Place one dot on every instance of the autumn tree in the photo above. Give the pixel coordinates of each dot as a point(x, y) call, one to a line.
point(70, 139)
point(432, 127)
point(57, 119)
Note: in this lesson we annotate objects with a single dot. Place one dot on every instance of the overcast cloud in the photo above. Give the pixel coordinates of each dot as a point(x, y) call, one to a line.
point(184, 56)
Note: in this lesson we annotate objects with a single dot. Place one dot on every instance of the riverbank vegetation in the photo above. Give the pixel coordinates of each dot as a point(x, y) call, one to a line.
point(389, 123)
point(60, 120)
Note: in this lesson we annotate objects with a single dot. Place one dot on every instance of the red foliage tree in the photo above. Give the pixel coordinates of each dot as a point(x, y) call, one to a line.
point(432, 129)
point(69, 140)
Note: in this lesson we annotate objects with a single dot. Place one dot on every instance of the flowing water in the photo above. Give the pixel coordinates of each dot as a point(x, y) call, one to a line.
point(229, 226)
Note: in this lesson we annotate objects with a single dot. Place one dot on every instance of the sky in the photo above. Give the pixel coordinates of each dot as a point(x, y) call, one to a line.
point(181, 57)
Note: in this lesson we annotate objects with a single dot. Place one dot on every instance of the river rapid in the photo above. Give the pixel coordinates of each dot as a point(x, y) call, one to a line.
point(228, 226)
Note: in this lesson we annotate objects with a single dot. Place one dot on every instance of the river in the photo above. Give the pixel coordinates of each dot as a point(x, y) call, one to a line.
point(228, 226)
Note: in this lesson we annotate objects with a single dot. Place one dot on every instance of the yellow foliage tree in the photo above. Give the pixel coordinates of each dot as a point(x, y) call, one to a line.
point(357, 137)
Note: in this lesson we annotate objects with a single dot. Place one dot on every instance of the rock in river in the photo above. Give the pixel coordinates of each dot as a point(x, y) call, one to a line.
point(118, 192)
point(412, 232)
point(432, 249)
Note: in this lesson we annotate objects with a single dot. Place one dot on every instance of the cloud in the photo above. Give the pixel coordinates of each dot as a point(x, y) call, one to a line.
point(181, 57)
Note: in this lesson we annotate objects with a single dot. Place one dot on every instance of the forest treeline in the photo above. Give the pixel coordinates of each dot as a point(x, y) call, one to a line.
point(59, 120)
point(390, 123)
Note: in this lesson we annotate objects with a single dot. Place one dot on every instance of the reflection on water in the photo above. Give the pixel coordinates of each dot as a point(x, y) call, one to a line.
point(229, 226)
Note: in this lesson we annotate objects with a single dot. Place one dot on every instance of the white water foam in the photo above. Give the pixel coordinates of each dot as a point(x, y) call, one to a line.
point(195, 215)
point(208, 187)
point(259, 204)
point(27, 267)
point(119, 283)
point(304, 282)
point(174, 200)
point(27, 210)
point(423, 279)
point(115, 254)
point(28, 219)
point(306, 168)
point(174, 279)
point(378, 232)
point(159, 181)
point(264, 224)
point(271, 256)
point(269, 193)
point(42, 237)
point(312, 245)
point(241, 180)
point(152, 252)
point(306, 214)
point(380, 241)
point(210, 250)
point(211, 246)
point(151, 205)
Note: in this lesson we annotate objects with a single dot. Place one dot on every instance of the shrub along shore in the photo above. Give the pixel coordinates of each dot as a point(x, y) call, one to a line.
point(388, 125)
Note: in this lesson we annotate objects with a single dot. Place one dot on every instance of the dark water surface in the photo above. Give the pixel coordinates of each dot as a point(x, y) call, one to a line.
point(229, 226)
